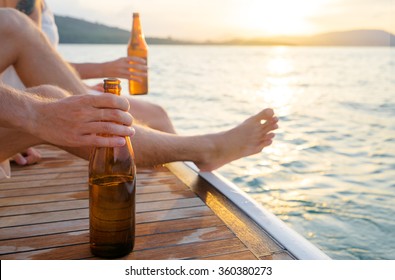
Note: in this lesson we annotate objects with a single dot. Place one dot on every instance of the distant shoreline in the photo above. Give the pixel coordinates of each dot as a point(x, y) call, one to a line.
point(77, 31)
point(239, 45)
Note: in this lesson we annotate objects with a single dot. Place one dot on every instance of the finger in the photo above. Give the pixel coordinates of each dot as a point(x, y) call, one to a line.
point(118, 116)
point(109, 101)
point(123, 73)
point(136, 79)
point(137, 68)
point(268, 137)
point(100, 141)
point(19, 159)
point(137, 73)
point(136, 59)
point(265, 114)
point(268, 126)
point(107, 128)
point(133, 133)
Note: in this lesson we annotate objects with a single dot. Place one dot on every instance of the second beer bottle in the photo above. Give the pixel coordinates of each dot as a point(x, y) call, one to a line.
point(137, 47)
point(112, 192)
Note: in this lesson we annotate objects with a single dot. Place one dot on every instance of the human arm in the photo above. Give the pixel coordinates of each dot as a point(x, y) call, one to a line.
point(118, 68)
point(71, 121)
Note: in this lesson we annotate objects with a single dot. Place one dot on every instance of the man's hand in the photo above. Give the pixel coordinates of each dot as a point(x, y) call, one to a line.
point(131, 68)
point(83, 120)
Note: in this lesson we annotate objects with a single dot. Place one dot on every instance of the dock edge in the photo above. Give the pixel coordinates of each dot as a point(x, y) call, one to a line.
point(295, 243)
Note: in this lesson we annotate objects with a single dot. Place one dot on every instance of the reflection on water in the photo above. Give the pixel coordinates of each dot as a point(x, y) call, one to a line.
point(330, 173)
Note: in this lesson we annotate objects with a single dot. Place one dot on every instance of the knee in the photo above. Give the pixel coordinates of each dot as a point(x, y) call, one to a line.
point(48, 91)
point(12, 22)
point(159, 112)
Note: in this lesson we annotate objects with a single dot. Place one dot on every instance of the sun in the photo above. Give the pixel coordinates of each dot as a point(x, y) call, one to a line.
point(279, 17)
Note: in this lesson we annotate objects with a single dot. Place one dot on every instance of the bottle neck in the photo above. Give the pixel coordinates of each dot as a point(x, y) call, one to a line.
point(137, 40)
point(112, 88)
point(114, 91)
point(136, 25)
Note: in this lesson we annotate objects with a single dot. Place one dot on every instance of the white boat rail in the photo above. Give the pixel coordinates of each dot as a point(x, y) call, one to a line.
point(295, 243)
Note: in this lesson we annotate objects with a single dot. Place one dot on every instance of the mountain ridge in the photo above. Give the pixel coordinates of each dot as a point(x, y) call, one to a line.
point(78, 31)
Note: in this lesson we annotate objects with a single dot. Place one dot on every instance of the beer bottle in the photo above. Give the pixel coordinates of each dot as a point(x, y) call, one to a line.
point(112, 192)
point(137, 47)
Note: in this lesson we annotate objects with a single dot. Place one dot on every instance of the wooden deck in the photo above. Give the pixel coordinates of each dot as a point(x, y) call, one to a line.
point(44, 215)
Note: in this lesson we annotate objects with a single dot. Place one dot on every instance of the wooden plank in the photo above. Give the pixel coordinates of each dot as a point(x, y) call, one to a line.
point(165, 196)
point(141, 242)
point(26, 190)
point(75, 214)
point(60, 175)
point(182, 237)
point(6, 211)
point(36, 243)
point(243, 255)
point(178, 225)
point(84, 204)
point(83, 224)
point(19, 173)
point(43, 229)
point(188, 251)
point(168, 204)
point(281, 255)
point(40, 183)
point(159, 196)
point(71, 252)
point(184, 251)
point(173, 214)
point(22, 192)
point(34, 199)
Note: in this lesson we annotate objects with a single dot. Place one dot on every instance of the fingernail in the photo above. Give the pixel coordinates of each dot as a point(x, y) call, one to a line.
point(132, 132)
point(121, 141)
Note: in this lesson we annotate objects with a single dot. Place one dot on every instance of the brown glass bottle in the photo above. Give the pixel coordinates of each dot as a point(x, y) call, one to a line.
point(112, 192)
point(137, 47)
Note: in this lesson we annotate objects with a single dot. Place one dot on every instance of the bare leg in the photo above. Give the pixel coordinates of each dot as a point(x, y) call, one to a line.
point(151, 115)
point(27, 49)
point(208, 151)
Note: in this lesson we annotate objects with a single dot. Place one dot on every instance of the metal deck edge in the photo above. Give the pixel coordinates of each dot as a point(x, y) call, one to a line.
point(292, 241)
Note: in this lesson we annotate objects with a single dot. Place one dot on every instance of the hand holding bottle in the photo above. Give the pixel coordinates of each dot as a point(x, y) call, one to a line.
point(130, 67)
point(137, 47)
point(76, 121)
point(112, 194)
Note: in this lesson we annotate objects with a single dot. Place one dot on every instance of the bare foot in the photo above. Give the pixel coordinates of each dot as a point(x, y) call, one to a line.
point(30, 156)
point(246, 139)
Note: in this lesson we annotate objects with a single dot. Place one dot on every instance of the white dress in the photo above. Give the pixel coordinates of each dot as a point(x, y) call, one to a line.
point(11, 78)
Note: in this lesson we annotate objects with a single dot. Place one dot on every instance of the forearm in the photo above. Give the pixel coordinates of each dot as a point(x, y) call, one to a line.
point(16, 109)
point(89, 70)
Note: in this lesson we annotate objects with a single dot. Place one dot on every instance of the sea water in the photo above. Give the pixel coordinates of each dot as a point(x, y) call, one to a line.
point(330, 173)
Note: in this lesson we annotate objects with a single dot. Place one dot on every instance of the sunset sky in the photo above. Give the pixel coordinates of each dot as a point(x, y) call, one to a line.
point(226, 19)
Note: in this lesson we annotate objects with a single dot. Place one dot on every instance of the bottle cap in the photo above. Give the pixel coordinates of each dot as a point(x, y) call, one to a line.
point(112, 80)
point(112, 84)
